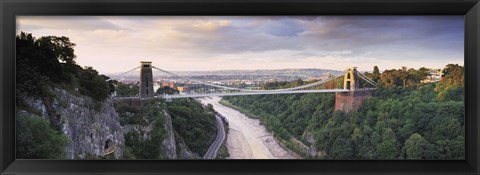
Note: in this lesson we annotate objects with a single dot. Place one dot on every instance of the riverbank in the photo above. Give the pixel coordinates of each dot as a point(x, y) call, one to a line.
point(293, 145)
point(247, 138)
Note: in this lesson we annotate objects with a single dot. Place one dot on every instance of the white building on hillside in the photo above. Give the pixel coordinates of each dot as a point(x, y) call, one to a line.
point(433, 76)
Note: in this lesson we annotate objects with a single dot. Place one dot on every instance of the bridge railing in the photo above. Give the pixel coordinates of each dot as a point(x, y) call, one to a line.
point(200, 88)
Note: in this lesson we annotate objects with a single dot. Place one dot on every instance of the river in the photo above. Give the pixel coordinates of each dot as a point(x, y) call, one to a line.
point(246, 138)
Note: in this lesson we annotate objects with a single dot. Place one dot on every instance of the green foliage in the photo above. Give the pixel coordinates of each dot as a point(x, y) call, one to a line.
point(402, 77)
point(93, 85)
point(49, 61)
point(416, 147)
point(167, 90)
point(452, 87)
point(148, 114)
point(124, 90)
point(129, 114)
point(342, 148)
point(375, 74)
point(193, 124)
point(222, 152)
point(35, 139)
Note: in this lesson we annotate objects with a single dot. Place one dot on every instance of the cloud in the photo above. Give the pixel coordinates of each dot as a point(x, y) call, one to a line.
point(65, 23)
point(250, 42)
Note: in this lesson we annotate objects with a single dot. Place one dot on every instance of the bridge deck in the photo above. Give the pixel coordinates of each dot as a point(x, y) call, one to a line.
point(250, 93)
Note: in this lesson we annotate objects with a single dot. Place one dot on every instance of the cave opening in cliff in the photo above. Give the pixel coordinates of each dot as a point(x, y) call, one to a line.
point(109, 147)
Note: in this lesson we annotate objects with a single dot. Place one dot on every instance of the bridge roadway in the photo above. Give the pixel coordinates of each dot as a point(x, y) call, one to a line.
point(248, 93)
point(240, 93)
point(212, 151)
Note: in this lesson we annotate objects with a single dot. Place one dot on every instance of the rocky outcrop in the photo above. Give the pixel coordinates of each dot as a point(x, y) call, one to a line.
point(311, 150)
point(185, 153)
point(169, 143)
point(93, 128)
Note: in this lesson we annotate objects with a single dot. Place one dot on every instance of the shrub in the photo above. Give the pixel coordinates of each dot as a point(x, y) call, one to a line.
point(37, 140)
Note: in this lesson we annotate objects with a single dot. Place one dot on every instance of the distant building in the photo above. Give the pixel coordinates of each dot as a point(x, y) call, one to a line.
point(168, 84)
point(433, 76)
point(156, 85)
point(182, 89)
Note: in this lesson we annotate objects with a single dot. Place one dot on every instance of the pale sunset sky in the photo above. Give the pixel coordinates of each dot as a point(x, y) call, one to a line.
point(113, 44)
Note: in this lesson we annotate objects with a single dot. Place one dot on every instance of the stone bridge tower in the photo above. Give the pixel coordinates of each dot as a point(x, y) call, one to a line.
point(146, 80)
point(354, 98)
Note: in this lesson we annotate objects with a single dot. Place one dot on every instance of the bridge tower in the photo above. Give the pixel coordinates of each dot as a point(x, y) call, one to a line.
point(146, 80)
point(350, 80)
point(353, 99)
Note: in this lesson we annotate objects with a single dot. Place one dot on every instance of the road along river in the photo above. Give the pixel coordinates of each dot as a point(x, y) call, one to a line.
point(246, 138)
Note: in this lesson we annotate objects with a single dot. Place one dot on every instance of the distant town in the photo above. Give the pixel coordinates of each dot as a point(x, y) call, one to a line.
point(249, 79)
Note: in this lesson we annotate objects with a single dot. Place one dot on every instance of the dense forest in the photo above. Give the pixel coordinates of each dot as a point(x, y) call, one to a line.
point(195, 125)
point(404, 119)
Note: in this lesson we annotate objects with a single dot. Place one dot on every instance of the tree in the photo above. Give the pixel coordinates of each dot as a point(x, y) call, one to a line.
point(167, 90)
point(61, 47)
point(388, 149)
point(210, 108)
point(376, 74)
point(403, 75)
point(455, 73)
point(35, 139)
point(111, 83)
point(50, 60)
point(341, 149)
point(390, 78)
point(453, 81)
point(422, 73)
point(416, 147)
point(124, 90)
point(93, 85)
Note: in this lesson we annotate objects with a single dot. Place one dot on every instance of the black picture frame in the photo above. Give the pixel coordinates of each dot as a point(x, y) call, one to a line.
point(10, 8)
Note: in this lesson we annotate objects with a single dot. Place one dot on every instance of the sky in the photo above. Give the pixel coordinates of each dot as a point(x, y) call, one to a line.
point(113, 44)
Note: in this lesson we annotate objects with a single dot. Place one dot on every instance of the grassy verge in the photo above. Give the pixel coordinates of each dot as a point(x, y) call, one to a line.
point(222, 152)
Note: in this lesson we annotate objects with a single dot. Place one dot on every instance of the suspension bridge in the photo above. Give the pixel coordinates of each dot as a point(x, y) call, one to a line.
point(199, 88)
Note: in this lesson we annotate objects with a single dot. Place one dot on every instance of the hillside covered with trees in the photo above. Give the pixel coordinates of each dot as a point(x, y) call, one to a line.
point(64, 109)
point(404, 119)
point(192, 125)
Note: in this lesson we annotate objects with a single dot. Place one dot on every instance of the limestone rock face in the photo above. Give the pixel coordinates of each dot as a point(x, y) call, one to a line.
point(93, 128)
point(169, 144)
point(185, 153)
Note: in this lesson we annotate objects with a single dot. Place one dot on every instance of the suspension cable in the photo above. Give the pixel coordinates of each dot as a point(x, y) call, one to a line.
point(126, 72)
point(367, 79)
point(246, 90)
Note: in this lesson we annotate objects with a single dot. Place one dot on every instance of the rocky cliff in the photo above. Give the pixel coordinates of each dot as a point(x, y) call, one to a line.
point(169, 143)
point(93, 128)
